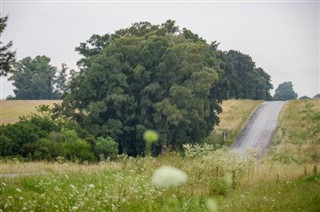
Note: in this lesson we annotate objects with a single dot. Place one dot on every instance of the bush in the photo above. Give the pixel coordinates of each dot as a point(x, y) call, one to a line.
point(47, 150)
point(106, 148)
point(78, 150)
point(7, 146)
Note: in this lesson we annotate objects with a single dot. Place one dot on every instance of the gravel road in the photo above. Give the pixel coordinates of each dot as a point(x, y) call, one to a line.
point(256, 136)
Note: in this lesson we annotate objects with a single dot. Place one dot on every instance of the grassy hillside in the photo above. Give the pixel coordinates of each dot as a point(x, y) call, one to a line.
point(297, 138)
point(10, 110)
point(234, 115)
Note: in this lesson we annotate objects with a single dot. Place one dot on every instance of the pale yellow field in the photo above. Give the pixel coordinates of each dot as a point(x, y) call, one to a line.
point(234, 115)
point(10, 110)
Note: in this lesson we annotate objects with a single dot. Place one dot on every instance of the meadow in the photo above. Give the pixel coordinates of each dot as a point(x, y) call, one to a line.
point(217, 179)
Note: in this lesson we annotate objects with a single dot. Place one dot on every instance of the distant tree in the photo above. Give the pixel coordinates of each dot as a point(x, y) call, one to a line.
point(285, 92)
point(317, 96)
point(34, 79)
point(61, 81)
point(304, 97)
point(7, 57)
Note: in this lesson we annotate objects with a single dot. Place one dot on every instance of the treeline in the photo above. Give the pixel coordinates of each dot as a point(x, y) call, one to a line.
point(36, 78)
point(143, 77)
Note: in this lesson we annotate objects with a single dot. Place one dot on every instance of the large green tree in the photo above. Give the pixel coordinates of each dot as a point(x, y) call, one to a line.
point(7, 57)
point(34, 78)
point(285, 92)
point(146, 77)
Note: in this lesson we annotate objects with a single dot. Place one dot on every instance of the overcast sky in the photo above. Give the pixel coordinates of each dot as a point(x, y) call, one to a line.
point(282, 38)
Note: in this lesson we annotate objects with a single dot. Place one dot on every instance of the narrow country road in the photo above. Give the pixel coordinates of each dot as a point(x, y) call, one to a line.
point(257, 133)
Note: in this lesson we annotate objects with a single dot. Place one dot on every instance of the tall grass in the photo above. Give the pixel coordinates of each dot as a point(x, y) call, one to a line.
point(297, 138)
point(126, 185)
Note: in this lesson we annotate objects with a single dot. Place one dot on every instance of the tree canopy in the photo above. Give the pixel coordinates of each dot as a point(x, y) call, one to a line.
point(146, 77)
point(7, 57)
point(38, 79)
point(285, 92)
point(241, 79)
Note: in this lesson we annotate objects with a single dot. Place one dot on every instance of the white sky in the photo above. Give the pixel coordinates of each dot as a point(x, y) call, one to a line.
point(281, 37)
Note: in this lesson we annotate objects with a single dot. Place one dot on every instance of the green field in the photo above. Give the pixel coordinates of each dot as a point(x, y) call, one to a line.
point(217, 180)
point(10, 110)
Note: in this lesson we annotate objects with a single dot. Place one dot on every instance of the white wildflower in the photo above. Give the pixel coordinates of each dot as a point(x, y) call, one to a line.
point(212, 205)
point(57, 189)
point(167, 176)
point(91, 186)
point(74, 208)
point(18, 190)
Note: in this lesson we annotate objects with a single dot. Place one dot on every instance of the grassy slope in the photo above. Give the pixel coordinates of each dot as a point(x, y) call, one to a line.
point(125, 185)
point(234, 115)
point(10, 110)
point(297, 137)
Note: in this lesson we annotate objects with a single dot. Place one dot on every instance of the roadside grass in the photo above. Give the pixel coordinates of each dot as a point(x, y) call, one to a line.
point(10, 110)
point(297, 137)
point(235, 114)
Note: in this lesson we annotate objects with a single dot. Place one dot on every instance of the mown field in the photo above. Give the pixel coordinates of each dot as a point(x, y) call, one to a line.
point(10, 110)
point(217, 179)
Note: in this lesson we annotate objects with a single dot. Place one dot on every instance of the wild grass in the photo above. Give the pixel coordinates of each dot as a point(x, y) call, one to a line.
point(10, 110)
point(125, 185)
point(235, 114)
point(297, 137)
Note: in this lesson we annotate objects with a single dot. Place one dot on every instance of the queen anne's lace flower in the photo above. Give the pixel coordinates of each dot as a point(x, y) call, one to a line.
point(167, 176)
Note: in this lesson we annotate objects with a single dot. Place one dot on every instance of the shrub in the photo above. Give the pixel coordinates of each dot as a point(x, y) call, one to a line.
point(47, 150)
point(106, 148)
point(79, 149)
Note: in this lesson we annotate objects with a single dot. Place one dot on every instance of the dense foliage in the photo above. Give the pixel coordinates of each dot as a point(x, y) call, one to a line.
point(45, 135)
point(285, 92)
point(7, 57)
point(38, 79)
point(146, 77)
point(241, 79)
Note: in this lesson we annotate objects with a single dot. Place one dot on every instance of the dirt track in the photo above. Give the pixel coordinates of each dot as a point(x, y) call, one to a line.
point(256, 136)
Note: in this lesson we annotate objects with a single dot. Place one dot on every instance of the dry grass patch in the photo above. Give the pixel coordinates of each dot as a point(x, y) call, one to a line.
point(11, 110)
point(44, 167)
point(235, 114)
